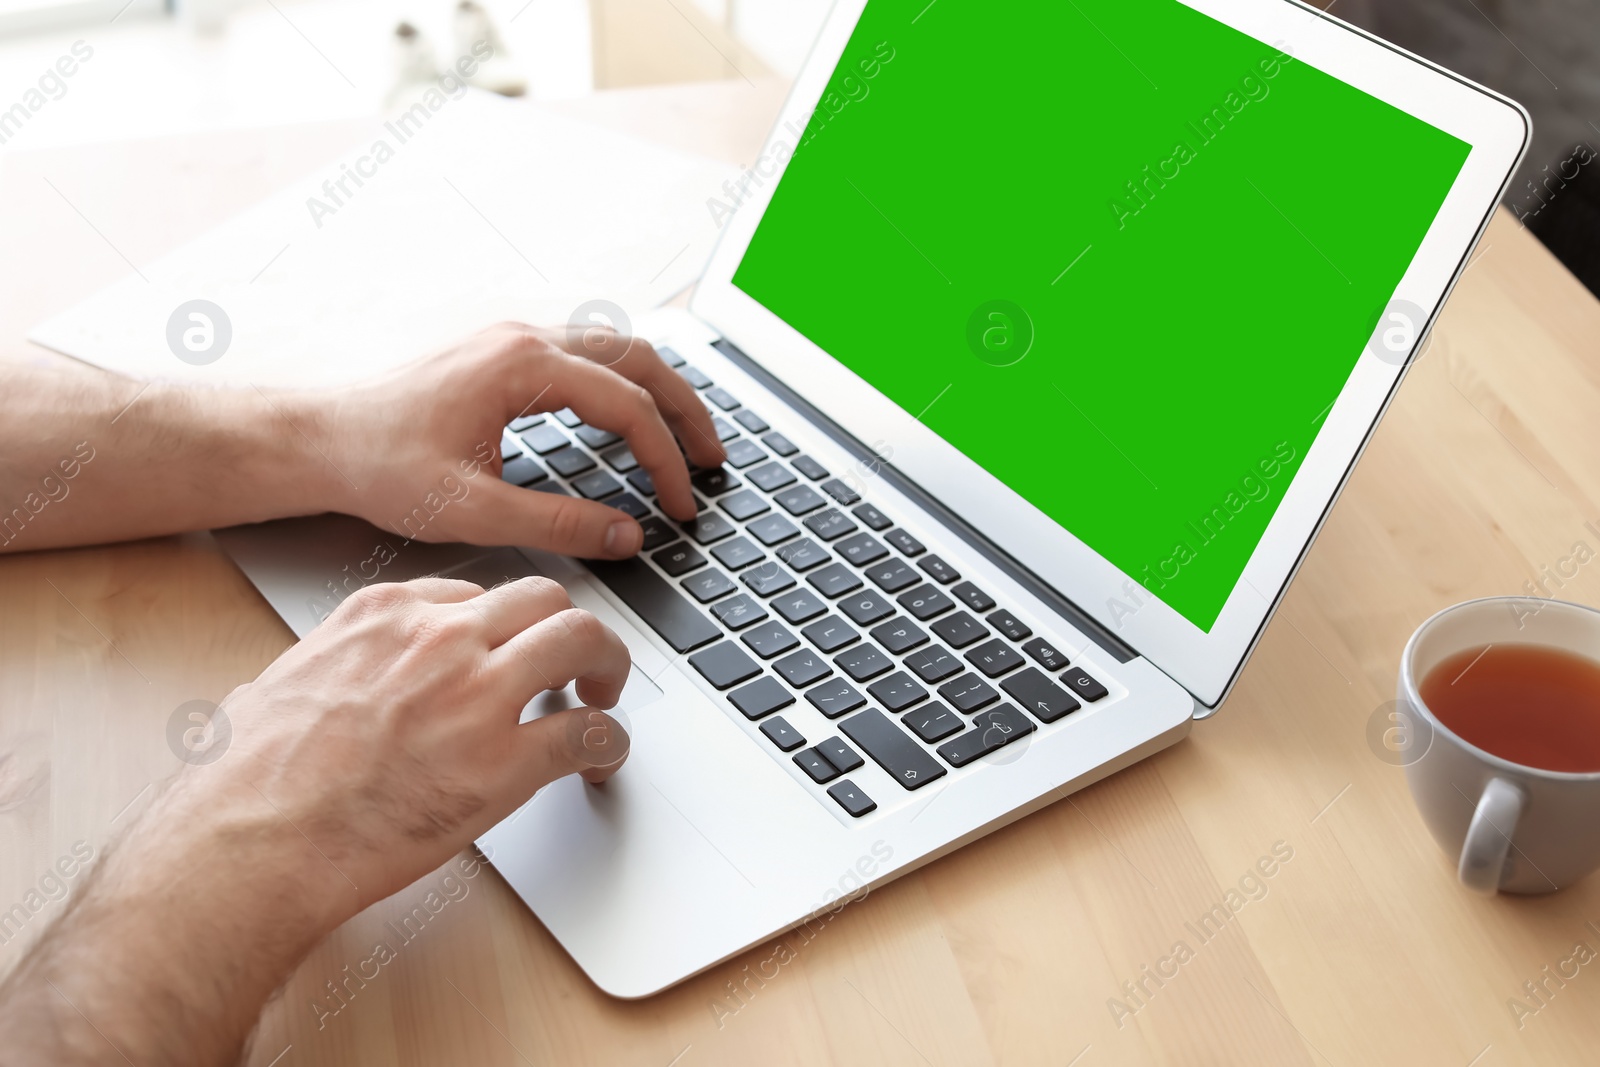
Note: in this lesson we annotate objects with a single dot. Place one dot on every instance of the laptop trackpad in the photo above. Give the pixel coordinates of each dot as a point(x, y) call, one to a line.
point(306, 567)
point(639, 692)
point(507, 564)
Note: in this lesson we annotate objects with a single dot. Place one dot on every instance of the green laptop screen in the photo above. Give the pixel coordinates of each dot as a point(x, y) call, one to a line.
point(1120, 255)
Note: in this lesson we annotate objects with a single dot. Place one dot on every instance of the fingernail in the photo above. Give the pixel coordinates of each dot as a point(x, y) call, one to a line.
point(623, 538)
point(600, 740)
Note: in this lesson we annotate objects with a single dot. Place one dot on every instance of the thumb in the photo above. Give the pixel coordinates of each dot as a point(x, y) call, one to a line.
point(578, 741)
point(505, 514)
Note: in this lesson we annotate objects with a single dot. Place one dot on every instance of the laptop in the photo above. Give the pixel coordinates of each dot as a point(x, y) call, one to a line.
point(1041, 338)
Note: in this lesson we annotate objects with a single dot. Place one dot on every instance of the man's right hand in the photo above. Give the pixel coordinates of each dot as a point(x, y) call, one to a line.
point(390, 735)
point(363, 758)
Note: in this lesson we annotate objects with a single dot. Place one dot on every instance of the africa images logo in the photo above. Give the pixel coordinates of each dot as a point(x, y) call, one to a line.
point(999, 332)
point(199, 332)
point(198, 732)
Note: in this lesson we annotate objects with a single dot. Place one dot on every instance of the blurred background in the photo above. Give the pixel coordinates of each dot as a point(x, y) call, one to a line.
point(180, 66)
point(1545, 54)
point(164, 67)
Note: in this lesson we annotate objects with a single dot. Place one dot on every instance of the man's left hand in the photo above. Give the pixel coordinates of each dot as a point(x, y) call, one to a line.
point(423, 443)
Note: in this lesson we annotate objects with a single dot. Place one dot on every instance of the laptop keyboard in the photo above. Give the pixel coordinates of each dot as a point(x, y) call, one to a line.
point(788, 586)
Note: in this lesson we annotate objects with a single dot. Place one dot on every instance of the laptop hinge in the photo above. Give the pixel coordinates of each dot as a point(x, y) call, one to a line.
point(1091, 628)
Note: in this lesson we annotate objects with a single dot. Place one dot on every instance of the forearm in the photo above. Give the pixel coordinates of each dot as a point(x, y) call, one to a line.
point(87, 456)
point(168, 952)
point(363, 758)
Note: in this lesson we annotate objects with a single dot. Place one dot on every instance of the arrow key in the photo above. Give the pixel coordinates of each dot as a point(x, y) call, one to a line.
point(811, 761)
point(852, 799)
point(780, 733)
point(839, 754)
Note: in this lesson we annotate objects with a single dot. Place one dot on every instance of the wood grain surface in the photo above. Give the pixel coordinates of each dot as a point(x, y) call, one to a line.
point(1348, 943)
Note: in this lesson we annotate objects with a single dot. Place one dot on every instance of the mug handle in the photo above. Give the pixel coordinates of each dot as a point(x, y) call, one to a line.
point(1483, 854)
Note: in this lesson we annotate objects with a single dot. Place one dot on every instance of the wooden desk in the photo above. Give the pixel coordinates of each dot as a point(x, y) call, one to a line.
point(1360, 948)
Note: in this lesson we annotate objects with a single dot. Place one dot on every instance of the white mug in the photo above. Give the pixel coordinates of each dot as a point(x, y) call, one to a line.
point(1510, 827)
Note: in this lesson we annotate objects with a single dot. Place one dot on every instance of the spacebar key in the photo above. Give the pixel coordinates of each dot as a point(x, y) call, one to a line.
point(668, 611)
point(892, 748)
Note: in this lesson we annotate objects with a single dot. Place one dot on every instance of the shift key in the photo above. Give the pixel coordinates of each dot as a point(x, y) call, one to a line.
point(892, 749)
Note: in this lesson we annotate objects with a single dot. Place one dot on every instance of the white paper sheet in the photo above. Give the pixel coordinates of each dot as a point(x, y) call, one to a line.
point(486, 210)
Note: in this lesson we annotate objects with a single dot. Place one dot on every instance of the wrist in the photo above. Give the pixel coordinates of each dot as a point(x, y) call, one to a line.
point(239, 860)
point(267, 447)
point(297, 453)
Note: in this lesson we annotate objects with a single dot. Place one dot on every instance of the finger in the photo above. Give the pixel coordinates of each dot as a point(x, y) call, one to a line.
point(637, 360)
point(677, 400)
point(568, 646)
point(605, 399)
point(602, 743)
point(513, 607)
point(500, 513)
point(579, 741)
